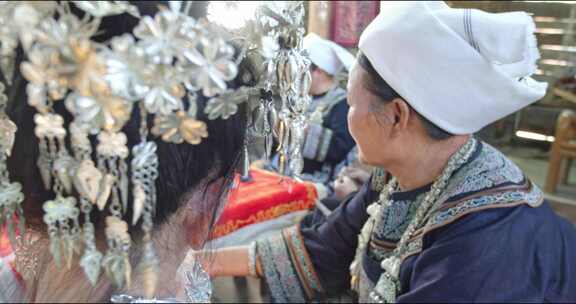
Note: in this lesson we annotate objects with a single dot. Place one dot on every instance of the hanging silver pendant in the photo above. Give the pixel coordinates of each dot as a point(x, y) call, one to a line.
point(115, 262)
point(63, 167)
point(91, 264)
point(386, 289)
point(198, 286)
point(59, 213)
point(44, 166)
point(11, 197)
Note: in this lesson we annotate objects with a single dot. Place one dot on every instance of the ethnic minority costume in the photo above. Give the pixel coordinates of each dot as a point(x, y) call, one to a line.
point(494, 238)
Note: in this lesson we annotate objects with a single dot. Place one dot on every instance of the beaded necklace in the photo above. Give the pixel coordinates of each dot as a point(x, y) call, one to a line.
point(388, 285)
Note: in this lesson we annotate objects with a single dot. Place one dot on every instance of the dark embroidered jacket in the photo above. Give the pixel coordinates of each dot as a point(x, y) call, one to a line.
point(494, 240)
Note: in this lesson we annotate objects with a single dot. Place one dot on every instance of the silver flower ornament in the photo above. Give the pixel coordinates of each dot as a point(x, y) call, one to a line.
point(99, 112)
point(166, 36)
point(126, 64)
point(60, 209)
point(112, 144)
point(226, 104)
point(17, 21)
point(210, 72)
point(165, 90)
point(43, 79)
point(56, 33)
point(179, 127)
point(49, 125)
point(84, 68)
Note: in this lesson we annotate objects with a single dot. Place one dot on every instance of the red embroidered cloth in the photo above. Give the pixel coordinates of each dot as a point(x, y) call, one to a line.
point(266, 197)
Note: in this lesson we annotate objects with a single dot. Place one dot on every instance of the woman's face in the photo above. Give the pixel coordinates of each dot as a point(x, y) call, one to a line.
point(369, 127)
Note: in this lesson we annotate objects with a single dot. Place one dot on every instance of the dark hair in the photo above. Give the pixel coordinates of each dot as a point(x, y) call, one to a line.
point(379, 87)
point(183, 169)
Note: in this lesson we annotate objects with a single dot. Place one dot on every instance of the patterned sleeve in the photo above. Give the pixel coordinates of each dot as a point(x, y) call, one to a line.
point(287, 267)
point(311, 260)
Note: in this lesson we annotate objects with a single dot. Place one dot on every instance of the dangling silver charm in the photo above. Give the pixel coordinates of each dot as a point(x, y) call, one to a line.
point(92, 258)
point(198, 286)
point(7, 134)
point(11, 197)
point(116, 262)
point(63, 167)
point(149, 268)
point(44, 164)
point(386, 289)
point(58, 215)
point(87, 180)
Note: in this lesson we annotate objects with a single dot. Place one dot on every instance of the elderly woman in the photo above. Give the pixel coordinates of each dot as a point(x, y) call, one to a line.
point(449, 219)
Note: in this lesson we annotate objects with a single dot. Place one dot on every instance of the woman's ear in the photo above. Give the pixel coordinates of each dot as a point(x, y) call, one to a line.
point(401, 114)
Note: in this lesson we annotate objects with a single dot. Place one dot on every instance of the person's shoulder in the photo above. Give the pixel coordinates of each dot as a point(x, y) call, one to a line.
point(517, 224)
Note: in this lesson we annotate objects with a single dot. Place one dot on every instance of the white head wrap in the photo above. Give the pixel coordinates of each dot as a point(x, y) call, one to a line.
point(327, 55)
point(462, 69)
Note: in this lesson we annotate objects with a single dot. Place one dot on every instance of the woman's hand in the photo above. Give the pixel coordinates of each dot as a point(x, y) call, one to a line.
point(344, 186)
point(232, 261)
point(359, 175)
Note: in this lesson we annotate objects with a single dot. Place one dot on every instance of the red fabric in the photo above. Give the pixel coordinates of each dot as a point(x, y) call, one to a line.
point(6, 253)
point(5, 247)
point(266, 197)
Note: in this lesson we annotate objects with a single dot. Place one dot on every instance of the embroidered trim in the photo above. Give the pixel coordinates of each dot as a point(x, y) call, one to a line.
point(279, 271)
point(533, 198)
point(394, 220)
point(261, 216)
point(490, 169)
point(302, 261)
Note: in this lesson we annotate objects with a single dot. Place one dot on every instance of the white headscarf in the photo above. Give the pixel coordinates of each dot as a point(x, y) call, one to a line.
point(462, 69)
point(327, 55)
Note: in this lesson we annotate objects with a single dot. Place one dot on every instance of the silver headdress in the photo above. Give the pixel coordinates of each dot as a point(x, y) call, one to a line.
point(167, 58)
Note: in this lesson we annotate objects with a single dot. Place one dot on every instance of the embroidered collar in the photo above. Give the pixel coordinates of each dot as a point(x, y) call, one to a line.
point(489, 179)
